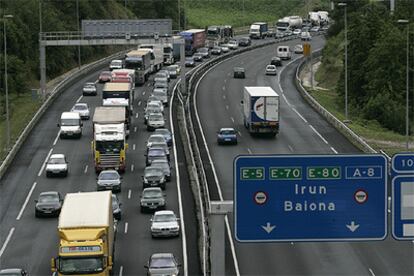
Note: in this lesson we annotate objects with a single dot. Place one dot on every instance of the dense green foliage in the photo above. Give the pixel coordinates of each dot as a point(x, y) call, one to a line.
point(201, 13)
point(376, 60)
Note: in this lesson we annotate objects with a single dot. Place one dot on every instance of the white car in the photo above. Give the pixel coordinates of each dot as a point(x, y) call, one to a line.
point(115, 64)
point(154, 138)
point(57, 165)
point(164, 224)
point(161, 95)
point(298, 49)
point(82, 109)
point(271, 70)
point(233, 44)
point(155, 120)
point(89, 89)
point(297, 31)
point(224, 48)
point(305, 36)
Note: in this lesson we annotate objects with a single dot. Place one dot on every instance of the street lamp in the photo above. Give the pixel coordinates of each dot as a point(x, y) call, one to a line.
point(5, 80)
point(346, 63)
point(406, 22)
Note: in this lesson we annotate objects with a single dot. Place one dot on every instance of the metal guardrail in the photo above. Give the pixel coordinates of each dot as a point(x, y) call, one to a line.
point(340, 126)
point(60, 87)
point(101, 35)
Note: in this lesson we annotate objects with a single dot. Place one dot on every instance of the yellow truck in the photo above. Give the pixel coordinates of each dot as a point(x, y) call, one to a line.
point(86, 233)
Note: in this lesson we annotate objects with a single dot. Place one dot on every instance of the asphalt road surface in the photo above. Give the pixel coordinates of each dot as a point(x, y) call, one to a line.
point(302, 131)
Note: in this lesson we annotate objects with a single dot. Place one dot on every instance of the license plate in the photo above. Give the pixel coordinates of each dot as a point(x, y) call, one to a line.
point(56, 171)
point(69, 133)
point(152, 206)
point(227, 139)
point(47, 212)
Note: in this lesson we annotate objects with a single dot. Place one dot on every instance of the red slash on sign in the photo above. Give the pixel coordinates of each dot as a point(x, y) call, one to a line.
point(361, 196)
point(260, 198)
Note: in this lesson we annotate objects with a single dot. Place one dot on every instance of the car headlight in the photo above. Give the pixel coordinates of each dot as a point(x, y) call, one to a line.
point(145, 180)
point(162, 179)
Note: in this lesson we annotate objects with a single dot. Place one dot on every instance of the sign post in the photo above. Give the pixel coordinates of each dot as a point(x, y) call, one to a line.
point(403, 196)
point(310, 198)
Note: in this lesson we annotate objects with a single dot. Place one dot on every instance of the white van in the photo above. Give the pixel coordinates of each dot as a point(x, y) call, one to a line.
point(283, 52)
point(70, 125)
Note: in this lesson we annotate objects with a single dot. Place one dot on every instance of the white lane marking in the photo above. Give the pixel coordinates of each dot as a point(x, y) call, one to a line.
point(26, 201)
point(129, 193)
point(239, 133)
point(132, 107)
point(126, 227)
point(178, 184)
point(148, 84)
point(229, 234)
point(371, 271)
point(44, 162)
point(320, 136)
point(80, 98)
point(143, 93)
point(250, 152)
point(86, 169)
point(290, 148)
point(135, 129)
point(286, 100)
point(96, 81)
point(136, 115)
point(224, 88)
point(139, 103)
point(224, 97)
point(334, 150)
point(225, 80)
point(121, 270)
point(3, 248)
point(56, 139)
point(300, 116)
point(133, 147)
point(227, 107)
point(132, 167)
point(291, 243)
point(232, 119)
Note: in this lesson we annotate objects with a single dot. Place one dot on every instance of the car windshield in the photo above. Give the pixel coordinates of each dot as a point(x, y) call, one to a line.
point(156, 138)
point(156, 152)
point(69, 122)
point(164, 217)
point(156, 117)
point(162, 262)
point(80, 107)
point(152, 171)
point(89, 84)
point(163, 131)
point(108, 176)
point(227, 132)
point(81, 265)
point(48, 198)
point(57, 161)
point(152, 194)
point(159, 93)
point(271, 67)
point(158, 164)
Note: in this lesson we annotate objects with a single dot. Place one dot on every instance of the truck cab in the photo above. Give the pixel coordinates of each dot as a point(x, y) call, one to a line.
point(70, 125)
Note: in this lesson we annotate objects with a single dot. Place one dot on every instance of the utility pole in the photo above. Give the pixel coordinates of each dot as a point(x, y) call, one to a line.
point(6, 88)
point(77, 21)
point(346, 63)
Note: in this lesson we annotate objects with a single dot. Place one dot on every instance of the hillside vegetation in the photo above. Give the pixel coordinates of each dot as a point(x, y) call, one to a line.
point(376, 62)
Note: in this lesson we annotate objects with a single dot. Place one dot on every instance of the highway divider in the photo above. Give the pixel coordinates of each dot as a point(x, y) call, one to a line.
point(56, 91)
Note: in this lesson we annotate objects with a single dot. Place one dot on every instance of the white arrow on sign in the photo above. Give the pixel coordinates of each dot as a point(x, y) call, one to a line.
point(353, 226)
point(268, 228)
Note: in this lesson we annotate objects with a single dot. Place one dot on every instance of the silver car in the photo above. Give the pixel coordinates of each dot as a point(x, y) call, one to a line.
point(155, 138)
point(165, 166)
point(57, 165)
point(89, 89)
point(152, 199)
point(155, 120)
point(161, 144)
point(165, 224)
point(82, 109)
point(153, 177)
point(162, 264)
point(161, 95)
point(271, 70)
point(109, 180)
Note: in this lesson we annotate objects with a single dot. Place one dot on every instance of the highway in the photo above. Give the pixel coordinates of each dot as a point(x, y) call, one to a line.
point(302, 131)
point(30, 242)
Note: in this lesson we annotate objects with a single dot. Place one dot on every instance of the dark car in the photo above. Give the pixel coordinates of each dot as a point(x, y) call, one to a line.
point(165, 166)
point(226, 136)
point(48, 204)
point(238, 73)
point(166, 133)
point(162, 264)
point(216, 50)
point(276, 61)
point(109, 180)
point(105, 76)
point(155, 154)
point(189, 62)
point(116, 207)
point(154, 177)
point(13, 272)
point(152, 199)
point(89, 88)
point(245, 41)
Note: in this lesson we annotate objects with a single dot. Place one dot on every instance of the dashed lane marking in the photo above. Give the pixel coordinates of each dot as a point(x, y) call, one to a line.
point(290, 148)
point(3, 248)
point(86, 169)
point(133, 147)
point(44, 162)
point(334, 150)
point(80, 98)
point(250, 152)
point(320, 136)
point(232, 119)
point(129, 193)
point(300, 116)
point(126, 227)
point(56, 139)
point(135, 128)
point(26, 201)
point(132, 167)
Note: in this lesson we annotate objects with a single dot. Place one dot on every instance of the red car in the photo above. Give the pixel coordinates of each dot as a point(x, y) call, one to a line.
point(105, 76)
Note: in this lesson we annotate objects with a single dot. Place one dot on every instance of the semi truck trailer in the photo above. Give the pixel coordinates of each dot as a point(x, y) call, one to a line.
point(86, 235)
point(261, 110)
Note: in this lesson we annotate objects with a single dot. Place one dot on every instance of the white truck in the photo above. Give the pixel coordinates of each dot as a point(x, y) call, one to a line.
point(315, 18)
point(157, 55)
point(70, 125)
point(324, 17)
point(289, 23)
point(258, 30)
point(261, 110)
